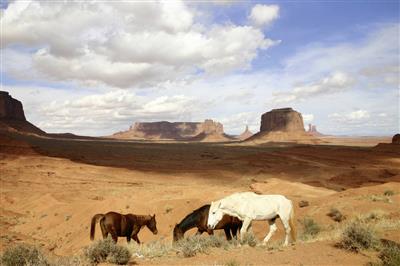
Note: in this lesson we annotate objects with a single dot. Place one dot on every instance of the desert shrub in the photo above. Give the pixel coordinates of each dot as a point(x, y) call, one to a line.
point(310, 228)
point(232, 263)
point(336, 215)
point(249, 239)
point(152, 249)
point(107, 251)
point(388, 192)
point(390, 255)
point(190, 246)
point(358, 236)
point(23, 254)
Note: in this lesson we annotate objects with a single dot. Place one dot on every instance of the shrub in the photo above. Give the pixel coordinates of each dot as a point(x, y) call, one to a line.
point(23, 254)
point(107, 251)
point(388, 192)
point(190, 246)
point(336, 215)
point(150, 250)
point(358, 236)
point(232, 263)
point(310, 228)
point(390, 255)
point(249, 239)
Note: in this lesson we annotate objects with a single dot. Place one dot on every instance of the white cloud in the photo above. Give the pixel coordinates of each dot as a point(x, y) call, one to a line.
point(308, 118)
point(124, 44)
point(334, 83)
point(352, 117)
point(263, 15)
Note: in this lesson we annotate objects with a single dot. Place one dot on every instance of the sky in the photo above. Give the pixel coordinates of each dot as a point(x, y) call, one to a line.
point(95, 68)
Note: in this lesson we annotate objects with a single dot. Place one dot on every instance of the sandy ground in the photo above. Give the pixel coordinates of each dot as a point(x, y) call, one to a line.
point(50, 189)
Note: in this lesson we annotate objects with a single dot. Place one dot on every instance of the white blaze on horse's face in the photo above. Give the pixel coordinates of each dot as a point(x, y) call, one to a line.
point(215, 215)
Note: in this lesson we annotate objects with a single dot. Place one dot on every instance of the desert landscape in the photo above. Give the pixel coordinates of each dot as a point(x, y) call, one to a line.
point(206, 132)
point(51, 186)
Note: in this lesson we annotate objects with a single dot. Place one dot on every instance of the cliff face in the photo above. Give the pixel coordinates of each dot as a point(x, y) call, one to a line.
point(10, 108)
point(282, 125)
point(285, 120)
point(172, 130)
point(12, 116)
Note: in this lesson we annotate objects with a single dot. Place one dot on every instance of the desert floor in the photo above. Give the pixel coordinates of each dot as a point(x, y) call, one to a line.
point(51, 188)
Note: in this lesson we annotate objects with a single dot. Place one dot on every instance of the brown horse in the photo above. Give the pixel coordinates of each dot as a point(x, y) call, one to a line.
point(198, 218)
point(127, 225)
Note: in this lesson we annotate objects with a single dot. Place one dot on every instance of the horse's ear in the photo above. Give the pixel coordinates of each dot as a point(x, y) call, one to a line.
point(154, 215)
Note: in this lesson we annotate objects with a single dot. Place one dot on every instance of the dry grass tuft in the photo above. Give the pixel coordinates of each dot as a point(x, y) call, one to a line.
point(23, 254)
point(358, 236)
point(107, 251)
point(336, 215)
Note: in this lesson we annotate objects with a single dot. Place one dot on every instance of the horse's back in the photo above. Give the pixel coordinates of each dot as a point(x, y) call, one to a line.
point(250, 204)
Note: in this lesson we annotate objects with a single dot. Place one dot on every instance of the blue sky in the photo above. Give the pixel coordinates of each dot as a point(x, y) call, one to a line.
point(95, 69)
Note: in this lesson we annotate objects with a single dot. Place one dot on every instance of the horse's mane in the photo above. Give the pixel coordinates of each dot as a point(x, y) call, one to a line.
point(192, 218)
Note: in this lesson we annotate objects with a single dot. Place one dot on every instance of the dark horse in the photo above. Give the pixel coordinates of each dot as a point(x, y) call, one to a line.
point(198, 218)
point(127, 225)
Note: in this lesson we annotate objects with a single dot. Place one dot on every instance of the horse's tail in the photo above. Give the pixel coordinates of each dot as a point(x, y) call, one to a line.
point(293, 232)
point(93, 224)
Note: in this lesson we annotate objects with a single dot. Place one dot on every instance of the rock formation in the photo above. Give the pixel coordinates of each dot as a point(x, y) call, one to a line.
point(284, 119)
point(208, 130)
point(12, 116)
point(10, 108)
point(396, 139)
point(312, 130)
point(282, 125)
point(246, 134)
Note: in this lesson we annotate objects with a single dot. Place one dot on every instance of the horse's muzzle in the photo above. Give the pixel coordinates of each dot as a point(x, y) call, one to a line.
point(210, 226)
point(155, 232)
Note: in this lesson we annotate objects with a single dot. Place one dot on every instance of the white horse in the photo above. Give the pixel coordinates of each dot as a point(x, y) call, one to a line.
point(248, 206)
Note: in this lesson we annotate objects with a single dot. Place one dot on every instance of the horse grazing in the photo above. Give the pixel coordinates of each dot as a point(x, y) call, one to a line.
point(127, 225)
point(198, 218)
point(248, 206)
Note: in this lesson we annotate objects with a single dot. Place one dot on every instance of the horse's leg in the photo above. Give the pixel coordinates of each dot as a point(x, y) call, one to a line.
point(234, 229)
point(286, 225)
point(113, 233)
point(136, 238)
point(245, 226)
point(135, 231)
point(128, 239)
point(272, 230)
point(103, 229)
point(227, 230)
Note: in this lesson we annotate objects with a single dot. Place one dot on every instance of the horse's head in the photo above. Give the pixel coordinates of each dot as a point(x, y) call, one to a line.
point(215, 214)
point(152, 224)
point(178, 234)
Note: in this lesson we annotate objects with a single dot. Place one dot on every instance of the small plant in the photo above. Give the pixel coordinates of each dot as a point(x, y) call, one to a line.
point(388, 192)
point(168, 209)
point(249, 239)
point(310, 228)
point(232, 263)
point(336, 215)
point(358, 236)
point(107, 251)
point(190, 246)
point(23, 254)
point(390, 255)
point(152, 249)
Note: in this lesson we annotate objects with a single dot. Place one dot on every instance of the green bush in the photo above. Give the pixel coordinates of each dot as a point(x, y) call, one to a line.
point(107, 251)
point(23, 254)
point(358, 236)
point(310, 228)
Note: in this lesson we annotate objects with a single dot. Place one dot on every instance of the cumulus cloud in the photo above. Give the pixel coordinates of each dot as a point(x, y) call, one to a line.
point(124, 44)
point(335, 82)
point(263, 15)
point(352, 117)
point(308, 118)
